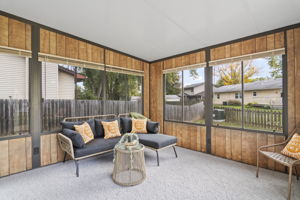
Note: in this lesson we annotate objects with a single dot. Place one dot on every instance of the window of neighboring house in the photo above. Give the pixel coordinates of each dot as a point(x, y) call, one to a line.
point(218, 96)
point(254, 94)
point(191, 107)
point(237, 95)
point(14, 95)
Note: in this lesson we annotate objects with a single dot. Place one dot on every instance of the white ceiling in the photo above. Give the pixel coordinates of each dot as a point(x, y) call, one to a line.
point(154, 29)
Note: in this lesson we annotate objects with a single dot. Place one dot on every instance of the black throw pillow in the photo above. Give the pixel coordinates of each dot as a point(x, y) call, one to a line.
point(70, 125)
point(75, 137)
point(126, 124)
point(152, 127)
point(99, 128)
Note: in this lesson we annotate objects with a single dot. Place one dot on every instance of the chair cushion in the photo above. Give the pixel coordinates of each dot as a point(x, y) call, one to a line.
point(75, 137)
point(152, 127)
point(139, 126)
point(99, 127)
point(85, 131)
point(126, 125)
point(70, 125)
point(292, 149)
point(157, 140)
point(96, 146)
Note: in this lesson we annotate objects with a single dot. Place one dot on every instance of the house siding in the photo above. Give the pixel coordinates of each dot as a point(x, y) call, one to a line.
point(13, 77)
point(66, 86)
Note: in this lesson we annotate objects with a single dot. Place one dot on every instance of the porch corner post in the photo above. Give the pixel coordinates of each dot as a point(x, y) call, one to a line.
point(208, 100)
point(35, 97)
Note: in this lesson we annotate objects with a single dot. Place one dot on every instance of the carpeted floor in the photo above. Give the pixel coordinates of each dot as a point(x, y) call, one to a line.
point(192, 175)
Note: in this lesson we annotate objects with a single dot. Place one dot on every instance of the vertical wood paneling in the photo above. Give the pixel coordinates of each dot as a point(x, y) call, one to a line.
point(60, 45)
point(297, 74)
point(261, 44)
point(17, 155)
point(28, 153)
point(248, 46)
point(3, 31)
point(52, 43)
point(4, 159)
point(220, 142)
point(271, 140)
point(279, 40)
point(270, 42)
point(53, 145)
point(146, 89)
point(44, 41)
point(89, 52)
point(213, 141)
point(203, 138)
point(45, 150)
point(236, 49)
point(16, 34)
point(249, 144)
point(82, 54)
point(262, 140)
point(71, 48)
point(156, 100)
point(28, 37)
point(291, 80)
point(236, 147)
point(228, 144)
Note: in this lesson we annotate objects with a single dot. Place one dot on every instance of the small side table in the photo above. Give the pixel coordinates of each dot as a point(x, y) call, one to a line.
point(129, 165)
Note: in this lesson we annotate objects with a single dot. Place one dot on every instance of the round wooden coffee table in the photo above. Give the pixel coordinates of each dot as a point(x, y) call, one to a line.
point(129, 165)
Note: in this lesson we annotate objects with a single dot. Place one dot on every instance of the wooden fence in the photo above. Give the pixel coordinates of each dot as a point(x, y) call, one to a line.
point(191, 113)
point(14, 114)
point(267, 119)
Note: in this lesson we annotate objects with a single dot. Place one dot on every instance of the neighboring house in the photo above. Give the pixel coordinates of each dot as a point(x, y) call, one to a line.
point(57, 81)
point(260, 92)
point(194, 91)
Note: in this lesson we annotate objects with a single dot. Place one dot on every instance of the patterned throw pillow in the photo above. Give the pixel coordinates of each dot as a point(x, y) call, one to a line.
point(85, 131)
point(111, 129)
point(292, 149)
point(139, 126)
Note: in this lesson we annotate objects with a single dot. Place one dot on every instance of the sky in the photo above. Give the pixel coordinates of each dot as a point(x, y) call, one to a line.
point(260, 63)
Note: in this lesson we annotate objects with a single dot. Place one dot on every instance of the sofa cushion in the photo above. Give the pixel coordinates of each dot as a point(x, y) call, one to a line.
point(96, 146)
point(85, 131)
point(111, 129)
point(75, 137)
point(126, 124)
point(70, 125)
point(99, 127)
point(139, 126)
point(152, 127)
point(157, 140)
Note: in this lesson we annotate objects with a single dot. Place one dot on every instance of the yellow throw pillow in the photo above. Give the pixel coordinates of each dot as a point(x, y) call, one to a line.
point(139, 126)
point(292, 149)
point(85, 131)
point(111, 129)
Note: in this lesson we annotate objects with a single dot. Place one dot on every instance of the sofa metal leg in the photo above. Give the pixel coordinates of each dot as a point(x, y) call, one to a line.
point(157, 157)
point(175, 152)
point(77, 167)
point(65, 155)
point(290, 182)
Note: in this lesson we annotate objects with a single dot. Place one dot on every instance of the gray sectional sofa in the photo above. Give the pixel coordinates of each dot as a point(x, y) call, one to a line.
point(72, 144)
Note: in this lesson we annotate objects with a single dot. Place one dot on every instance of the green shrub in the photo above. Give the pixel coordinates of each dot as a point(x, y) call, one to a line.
point(234, 103)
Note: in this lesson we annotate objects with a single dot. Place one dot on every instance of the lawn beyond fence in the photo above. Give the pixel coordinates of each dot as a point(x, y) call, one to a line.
point(264, 119)
point(14, 114)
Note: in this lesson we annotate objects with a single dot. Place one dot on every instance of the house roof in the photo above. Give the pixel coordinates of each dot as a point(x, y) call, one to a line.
point(256, 85)
point(193, 85)
point(79, 77)
point(153, 29)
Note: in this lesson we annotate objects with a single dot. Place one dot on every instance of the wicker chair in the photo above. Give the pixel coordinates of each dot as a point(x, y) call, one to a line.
point(284, 160)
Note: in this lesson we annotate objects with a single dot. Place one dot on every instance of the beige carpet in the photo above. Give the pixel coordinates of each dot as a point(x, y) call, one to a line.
point(192, 175)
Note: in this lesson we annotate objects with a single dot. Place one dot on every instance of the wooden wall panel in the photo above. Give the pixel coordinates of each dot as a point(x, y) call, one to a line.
point(17, 155)
point(52, 43)
point(185, 60)
point(82, 50)
point(28, 37)
point(4, 158)
point(248, 46)
point(236, 49)
point(3, 31)
point(220, 142)
point(156, 93)
point(297, 74)
point(44, 41)
point(71, 48)
point(188, 136)
point(60, 45)
point(28, 153)
point(249, 146)
point(16, 34)
point(236, 145)
point(146, 94)
point(261, 44)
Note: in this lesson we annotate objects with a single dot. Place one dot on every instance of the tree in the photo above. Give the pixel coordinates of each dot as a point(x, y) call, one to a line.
point(276, 66)
point(231, 74)
point(173, 85)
